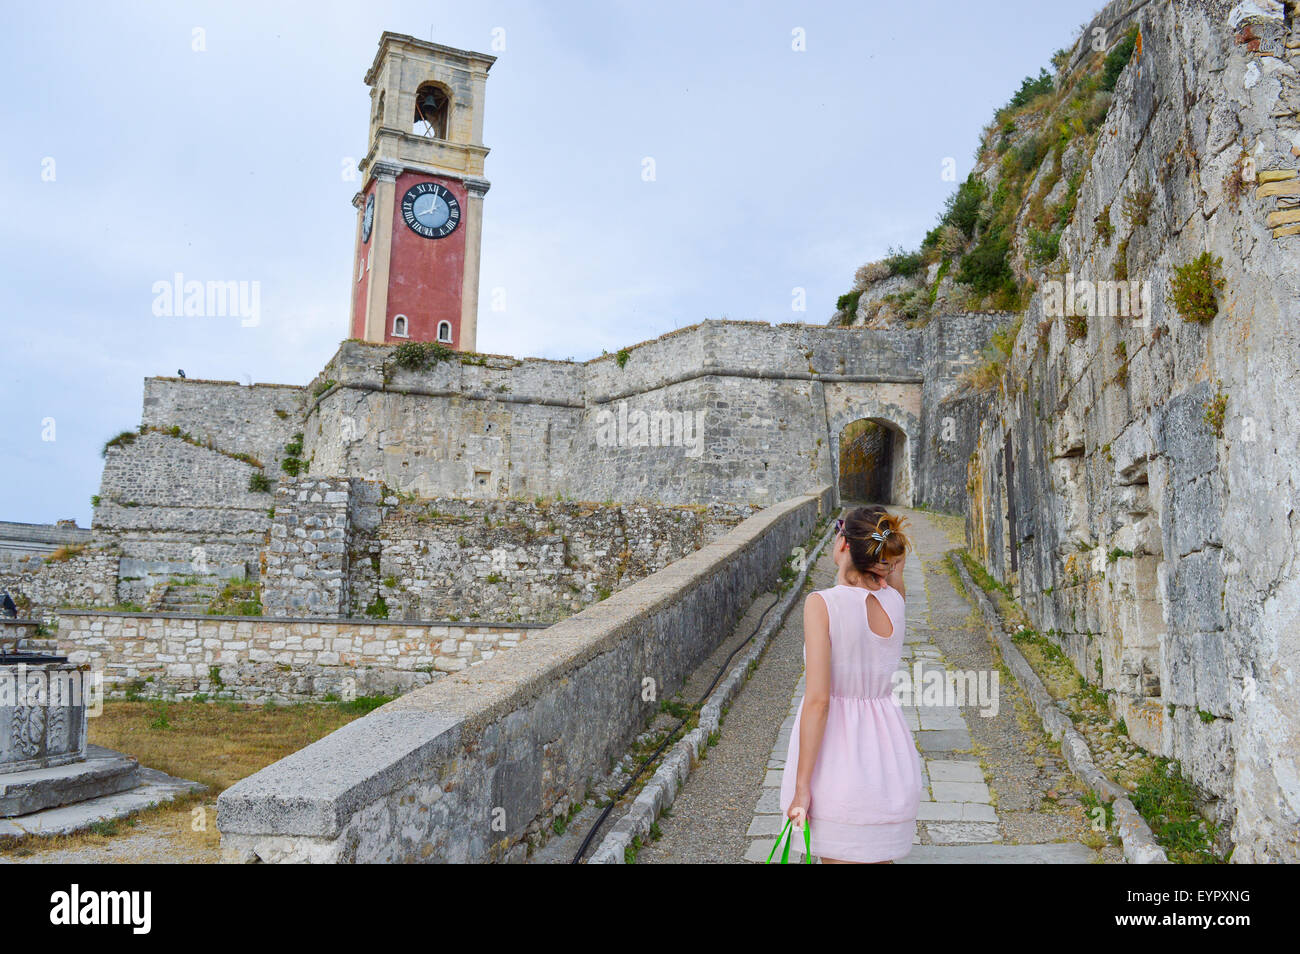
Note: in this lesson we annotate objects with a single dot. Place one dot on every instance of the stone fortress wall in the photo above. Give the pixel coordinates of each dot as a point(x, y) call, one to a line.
point(734, 412)
point(456, 491)
point(1137, 486)
point(720, 413)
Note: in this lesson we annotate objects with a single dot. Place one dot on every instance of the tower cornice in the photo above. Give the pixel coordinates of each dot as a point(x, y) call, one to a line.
point(475, 62)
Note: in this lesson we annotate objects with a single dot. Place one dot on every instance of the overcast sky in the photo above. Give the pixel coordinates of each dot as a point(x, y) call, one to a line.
point(129, 155)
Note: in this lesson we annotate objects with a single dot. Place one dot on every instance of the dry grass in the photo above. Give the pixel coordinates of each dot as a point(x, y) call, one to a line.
point(216, 743)
point(65, 553)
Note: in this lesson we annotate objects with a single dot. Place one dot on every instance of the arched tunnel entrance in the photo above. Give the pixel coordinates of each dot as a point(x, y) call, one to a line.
point(873, 462)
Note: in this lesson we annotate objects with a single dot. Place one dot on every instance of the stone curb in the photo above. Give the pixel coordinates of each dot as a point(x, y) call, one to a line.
point(662, 789)
point(1140, 846)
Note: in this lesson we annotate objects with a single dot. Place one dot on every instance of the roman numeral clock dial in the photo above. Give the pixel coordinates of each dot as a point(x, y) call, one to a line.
point(430, 210)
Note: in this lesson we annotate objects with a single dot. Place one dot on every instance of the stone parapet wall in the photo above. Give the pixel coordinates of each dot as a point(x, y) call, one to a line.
point(466, 769)
point(256, 659)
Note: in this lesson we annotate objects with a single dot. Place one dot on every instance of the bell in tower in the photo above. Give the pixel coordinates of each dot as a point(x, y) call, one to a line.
point(431, 113)
point(420, 207)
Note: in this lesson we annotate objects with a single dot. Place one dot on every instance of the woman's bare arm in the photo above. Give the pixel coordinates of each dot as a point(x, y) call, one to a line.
point(817, 692)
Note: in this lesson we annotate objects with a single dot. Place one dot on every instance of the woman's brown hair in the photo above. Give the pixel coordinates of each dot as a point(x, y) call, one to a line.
point(874, 535)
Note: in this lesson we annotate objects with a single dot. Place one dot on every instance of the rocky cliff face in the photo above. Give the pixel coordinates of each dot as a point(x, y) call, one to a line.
point(1137, 478)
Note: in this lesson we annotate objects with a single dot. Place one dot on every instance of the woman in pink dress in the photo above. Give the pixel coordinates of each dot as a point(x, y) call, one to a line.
point(852, 767)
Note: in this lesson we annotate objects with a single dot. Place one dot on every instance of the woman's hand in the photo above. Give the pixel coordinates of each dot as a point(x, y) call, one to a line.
point(799, 807)
point(883, 569)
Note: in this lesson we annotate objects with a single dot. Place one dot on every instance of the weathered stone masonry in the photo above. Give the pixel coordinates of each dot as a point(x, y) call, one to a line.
point(340, 547)
point(1157, 546)
point(259, 659)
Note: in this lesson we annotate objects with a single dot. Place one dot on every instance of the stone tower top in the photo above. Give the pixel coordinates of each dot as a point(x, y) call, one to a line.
point(426, 107)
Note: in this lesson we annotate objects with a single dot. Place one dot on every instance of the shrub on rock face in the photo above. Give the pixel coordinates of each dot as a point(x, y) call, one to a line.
point(1118, 58)
point(122, 440)
point(1194, 286)
point(904, 263)
point(848, 304)
point(1044, 246)
point(869, 274)
point(963, 206)
point(418, 355)
point(1031, 154)
point(1031, 88)
point(985, 267)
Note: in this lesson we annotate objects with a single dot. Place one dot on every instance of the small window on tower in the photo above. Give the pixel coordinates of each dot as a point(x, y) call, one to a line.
point(430, 119)
point(444, 331)
point(399, 326)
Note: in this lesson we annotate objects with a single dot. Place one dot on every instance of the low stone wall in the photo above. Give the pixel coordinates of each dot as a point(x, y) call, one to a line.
point(471, 767)
point(256, 658)
point(88, 577)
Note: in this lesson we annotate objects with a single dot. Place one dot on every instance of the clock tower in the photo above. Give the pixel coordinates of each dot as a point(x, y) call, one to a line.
point(420, 208)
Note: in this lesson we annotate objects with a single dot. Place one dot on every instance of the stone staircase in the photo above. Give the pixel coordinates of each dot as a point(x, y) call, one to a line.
point(192, 598)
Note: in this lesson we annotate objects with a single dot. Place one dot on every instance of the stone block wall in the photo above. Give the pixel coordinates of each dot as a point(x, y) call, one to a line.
point(39, 584)
point(307, 555)
point(256, 419)
point(952, 414)
point(341, 547)
point(258, 659)
point(174, 508)
point(509, 560)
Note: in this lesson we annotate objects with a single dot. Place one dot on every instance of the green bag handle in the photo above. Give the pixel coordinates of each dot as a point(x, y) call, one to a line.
point(788, 835)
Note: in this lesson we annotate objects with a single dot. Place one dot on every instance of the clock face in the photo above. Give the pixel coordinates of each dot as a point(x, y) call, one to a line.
point(430, 210)
point(368, 218)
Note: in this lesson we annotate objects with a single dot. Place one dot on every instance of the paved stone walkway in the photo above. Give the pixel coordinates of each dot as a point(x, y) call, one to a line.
point(975, 794)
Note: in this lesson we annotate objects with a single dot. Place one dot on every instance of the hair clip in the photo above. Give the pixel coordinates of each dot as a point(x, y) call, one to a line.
point(877, 535)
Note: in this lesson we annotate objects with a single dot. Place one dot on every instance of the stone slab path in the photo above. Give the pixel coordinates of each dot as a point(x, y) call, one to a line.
point(982, 775)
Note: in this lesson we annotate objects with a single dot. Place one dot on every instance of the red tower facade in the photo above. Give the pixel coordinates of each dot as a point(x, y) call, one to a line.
point(420, 210)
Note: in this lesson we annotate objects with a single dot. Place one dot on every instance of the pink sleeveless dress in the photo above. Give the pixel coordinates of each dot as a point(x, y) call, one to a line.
point(866, 785)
